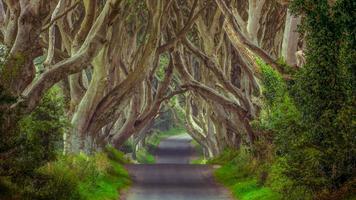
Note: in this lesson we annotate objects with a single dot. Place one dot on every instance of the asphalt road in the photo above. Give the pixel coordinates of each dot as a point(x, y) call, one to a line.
point(173, 178)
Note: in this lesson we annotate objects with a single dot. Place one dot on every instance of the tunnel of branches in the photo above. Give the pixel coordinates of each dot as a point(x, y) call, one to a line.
point(123, 64)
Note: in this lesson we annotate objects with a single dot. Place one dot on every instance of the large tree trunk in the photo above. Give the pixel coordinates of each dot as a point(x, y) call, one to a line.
point(290, 39)
point(92, 97)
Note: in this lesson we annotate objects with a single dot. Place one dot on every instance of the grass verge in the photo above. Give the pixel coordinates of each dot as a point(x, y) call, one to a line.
point(244, 188)
point(143, 156)
point(240, 175)
point(81, 177)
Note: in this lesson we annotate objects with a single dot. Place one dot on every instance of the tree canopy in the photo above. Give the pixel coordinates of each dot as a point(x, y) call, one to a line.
point(273, 77)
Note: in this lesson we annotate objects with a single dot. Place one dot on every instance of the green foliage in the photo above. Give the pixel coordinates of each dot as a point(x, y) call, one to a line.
point(249, 190)
point(41, 132)
point(10, 68)
point(36, 140)
point(116, 155)
point(312, 120)
point(240, 172)
point(226, 156)
point(144, 156)
point(297, 173)
point(274, 88)
point(199, 161)
point(56, 180)
point(279, 181)
point(37, 170)
point(286, 69)
point(279, 113)
point(80, 177)
point(163, 63)
point(323, 154)
point(5, 101)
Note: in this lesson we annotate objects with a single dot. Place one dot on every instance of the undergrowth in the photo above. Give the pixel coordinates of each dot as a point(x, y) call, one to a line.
point(75, 177)
point(143, 156)
point(100, 176)
point(241, 174)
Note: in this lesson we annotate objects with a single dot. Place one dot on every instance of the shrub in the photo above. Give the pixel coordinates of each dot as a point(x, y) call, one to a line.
point(322, 156)
point(312, 120)
point(144, 156)
point(77, 177)
point(116, 155)
point(41, 133)
point(227, 156)
point(36, 140)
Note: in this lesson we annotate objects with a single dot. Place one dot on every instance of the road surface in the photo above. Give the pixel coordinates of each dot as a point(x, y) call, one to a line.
point(173, 178)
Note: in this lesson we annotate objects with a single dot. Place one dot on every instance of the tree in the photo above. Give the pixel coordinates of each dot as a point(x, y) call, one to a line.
point(320, 155)
point(105, 55)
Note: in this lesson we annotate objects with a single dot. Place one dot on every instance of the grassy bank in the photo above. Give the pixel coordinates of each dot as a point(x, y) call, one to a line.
point(37, 168)
point(78, 177)
point(248, 179)
point(245, 187)
point(144, 156)
point(100, 176)
point(242, 176)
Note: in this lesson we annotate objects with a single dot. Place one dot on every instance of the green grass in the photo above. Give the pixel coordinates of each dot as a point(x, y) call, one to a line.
point(96, 177)
point(199, 161)
point(249, 190)
point(145, 157)
point(107, 186)
point(239, 177)
point(225, 157)
point(244, 188)
point(117, 156)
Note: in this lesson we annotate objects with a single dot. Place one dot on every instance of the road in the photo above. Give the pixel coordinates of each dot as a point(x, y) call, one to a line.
point(172, 177)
